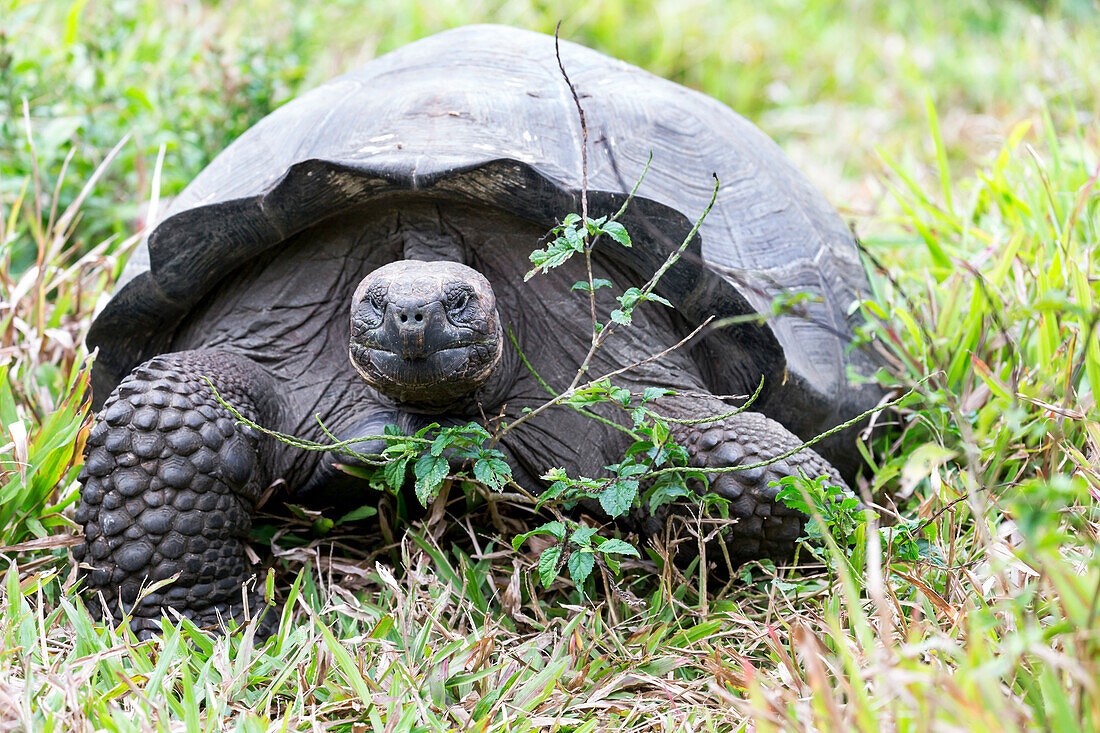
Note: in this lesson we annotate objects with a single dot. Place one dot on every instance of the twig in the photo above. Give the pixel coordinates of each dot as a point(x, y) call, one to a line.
point(340, 447)
point(584, 126)
point(713, 418)
point(809, 443)
point(584, 183)
point(574, 389)
point(646, 289)
point(554, 393)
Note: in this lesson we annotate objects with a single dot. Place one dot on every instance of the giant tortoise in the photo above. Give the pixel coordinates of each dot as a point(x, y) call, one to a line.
point(410, 192)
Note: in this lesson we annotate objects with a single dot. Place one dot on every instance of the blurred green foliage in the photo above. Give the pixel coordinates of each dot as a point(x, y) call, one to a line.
point(829, 80)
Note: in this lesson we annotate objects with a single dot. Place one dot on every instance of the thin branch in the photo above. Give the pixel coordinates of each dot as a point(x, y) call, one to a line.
point(712, 418)
point(554, 393)
point(646, 289)
point(584, 126)
point(340, 447)
point(798, 449)
point(584, 185)
point(574, 389)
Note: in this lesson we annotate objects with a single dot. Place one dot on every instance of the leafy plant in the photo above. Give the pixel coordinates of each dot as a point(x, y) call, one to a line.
point(831, 509)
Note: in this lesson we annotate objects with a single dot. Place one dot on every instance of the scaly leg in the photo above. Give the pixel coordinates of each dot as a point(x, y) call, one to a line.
point(169, 484)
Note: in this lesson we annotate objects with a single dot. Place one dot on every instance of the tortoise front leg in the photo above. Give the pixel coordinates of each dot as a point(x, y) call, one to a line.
point(169, 485)
point(763, 527)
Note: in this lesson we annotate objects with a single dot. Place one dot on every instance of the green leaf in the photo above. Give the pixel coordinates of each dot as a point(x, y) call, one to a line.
point(597, 283)
point(583, 536)
point(573, 239)
point(595, 226)
point(629, 468)
point(552, 492)
point(430, 471)
point(667, 488)
point(630, 297)
point(580, 566)
point(426, 429)
point(475, 430)
point(299, 512)
point(442, 441)
point(555, 528)
point(555, 255)
point(493, 472)
point(366, 473)
point(616, 231)
point(618, 547)
point(394, 473)
point(620, 317)
point(356, 514)
point(651, 393)
point(548, 565)
point(617, 498)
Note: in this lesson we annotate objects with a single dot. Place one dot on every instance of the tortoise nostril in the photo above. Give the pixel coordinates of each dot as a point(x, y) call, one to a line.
point(404, 318)
point(419, 316)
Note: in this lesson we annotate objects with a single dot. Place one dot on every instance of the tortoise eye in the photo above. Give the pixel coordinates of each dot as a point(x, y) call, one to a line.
point(371, 309)
point(458, 301)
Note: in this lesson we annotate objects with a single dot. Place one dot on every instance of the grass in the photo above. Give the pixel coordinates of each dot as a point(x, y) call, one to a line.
point(963, 141)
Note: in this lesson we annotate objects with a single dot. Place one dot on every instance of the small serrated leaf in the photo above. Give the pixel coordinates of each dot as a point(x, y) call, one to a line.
point(667, 488)
point(621, 395)
point(597, 283)
point(583, 536)
point(580, 566)
point(430, 471)
point(629, 297)
point(620, 317)
point(617, 498)
point(573, 239)
point(442, 442)
point(618, 547)
point(616, 231)
point(493, 472)
point(555, 528)
point(548, 565)
point(394, 473)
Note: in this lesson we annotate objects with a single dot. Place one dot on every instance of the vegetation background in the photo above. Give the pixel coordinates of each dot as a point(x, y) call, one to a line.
point(961, 139)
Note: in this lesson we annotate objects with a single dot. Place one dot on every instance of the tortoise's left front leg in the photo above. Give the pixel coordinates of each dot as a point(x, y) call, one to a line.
point(170, 483)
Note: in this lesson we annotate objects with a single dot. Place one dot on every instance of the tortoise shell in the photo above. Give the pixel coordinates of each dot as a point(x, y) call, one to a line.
point(481, 114)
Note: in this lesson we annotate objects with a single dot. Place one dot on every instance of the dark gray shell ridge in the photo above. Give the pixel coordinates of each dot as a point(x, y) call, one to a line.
point(190, 253)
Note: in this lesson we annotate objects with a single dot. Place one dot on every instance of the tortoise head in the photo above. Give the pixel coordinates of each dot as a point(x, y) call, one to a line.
point(425, 333)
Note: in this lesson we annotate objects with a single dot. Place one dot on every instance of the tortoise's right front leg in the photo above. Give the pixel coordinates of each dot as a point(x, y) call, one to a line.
point(169, 484)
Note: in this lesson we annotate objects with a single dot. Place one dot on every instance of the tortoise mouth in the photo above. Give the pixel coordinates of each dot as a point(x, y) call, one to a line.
point(440, 377)
point(364, 348)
